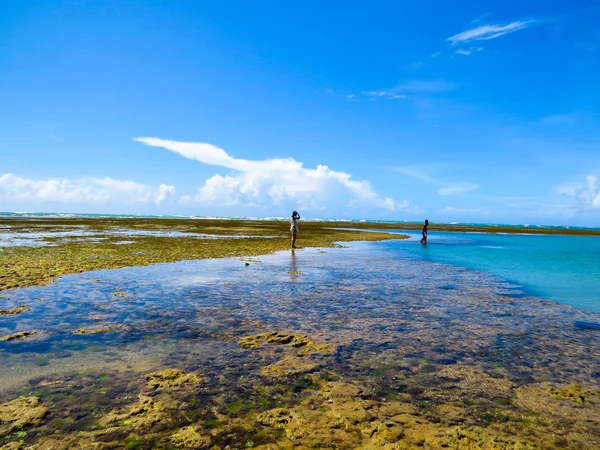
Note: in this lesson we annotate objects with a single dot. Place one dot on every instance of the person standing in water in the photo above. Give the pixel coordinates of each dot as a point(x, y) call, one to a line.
point(294, 227)
point(424, 232)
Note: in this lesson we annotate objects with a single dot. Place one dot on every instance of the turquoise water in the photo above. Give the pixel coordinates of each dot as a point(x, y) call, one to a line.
point(565, 269)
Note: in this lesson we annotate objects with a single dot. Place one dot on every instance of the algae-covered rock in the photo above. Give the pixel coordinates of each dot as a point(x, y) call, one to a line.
point(288, 366)
point(21, 413)
point(19, 335)
point(143, 414)
point(477, 438)
point(170, 378)
point(190, 437)
point(102, 329)
point(573, 393)
point(16, 310)
point(303, 342)
point(16, 445)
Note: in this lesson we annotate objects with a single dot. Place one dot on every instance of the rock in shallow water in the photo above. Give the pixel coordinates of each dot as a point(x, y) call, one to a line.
point(170, 378)
point(21, 413)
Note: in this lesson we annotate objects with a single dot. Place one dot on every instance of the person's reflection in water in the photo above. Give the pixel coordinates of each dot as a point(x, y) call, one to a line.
point(294, 272)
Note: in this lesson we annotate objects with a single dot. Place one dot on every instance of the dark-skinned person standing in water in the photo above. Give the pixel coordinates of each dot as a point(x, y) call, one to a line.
point(294, 227)
point(424, 232)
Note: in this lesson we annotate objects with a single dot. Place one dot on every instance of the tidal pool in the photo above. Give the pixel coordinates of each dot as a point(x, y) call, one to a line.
point(346, 348)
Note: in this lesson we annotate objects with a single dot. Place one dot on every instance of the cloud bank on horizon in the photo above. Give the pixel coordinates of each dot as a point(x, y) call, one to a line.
point(274, 182)
point(86, 190)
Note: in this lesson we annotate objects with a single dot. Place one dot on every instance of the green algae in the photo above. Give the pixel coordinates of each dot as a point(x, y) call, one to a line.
point(34, 266)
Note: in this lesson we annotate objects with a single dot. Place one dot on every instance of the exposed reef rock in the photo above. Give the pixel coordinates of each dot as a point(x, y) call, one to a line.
point(170, 378)
point(20, 413)
point(19, 335)
point(16, 310)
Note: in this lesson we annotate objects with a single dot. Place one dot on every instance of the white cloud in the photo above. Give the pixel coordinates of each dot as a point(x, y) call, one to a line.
point(274, 181)
point(469, 51)
point(390, 95)
point(486, 32)
point(351, 96)
point(446, 188)
point(86, 190)
point(458, 189)
point(588, 194)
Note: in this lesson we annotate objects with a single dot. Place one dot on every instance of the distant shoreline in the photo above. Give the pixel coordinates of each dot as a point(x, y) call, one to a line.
point(6, 218)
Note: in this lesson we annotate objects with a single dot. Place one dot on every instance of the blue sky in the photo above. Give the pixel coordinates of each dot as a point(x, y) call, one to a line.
point(455, 111)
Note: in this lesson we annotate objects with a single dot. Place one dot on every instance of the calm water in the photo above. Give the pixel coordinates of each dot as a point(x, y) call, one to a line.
point(565, 269)
point(453, 346)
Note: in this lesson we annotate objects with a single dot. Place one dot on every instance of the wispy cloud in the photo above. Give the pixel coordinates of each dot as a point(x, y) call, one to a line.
point(586, 194)
point(458, 189)
point(469, 51)
point(446, 188)
point(412, 89)
point(276, 181)
point(83, 191)
point(486, 32)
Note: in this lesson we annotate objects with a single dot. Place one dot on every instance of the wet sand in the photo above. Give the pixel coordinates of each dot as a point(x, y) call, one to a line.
point(321, 348)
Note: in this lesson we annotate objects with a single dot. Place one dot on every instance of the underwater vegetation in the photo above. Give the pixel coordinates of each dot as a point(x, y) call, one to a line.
point(339, 348)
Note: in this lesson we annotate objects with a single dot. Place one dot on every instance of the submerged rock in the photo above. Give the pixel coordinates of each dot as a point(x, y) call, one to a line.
point(19, 335)
point(16, 445)
point(20, 413)
point(170, 378)
point(574, 393)
point(189, 437)
point(477, 438)
point(288, 366)
point(303, 342)
point(142, 414)
point(102, 329)
point(16, 310)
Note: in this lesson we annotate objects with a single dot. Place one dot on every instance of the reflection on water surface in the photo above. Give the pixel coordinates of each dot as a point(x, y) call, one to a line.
point(418, 354)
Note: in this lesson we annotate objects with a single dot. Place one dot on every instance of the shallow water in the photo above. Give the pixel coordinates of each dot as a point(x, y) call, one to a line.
point(425, 333)
point(565, 269)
